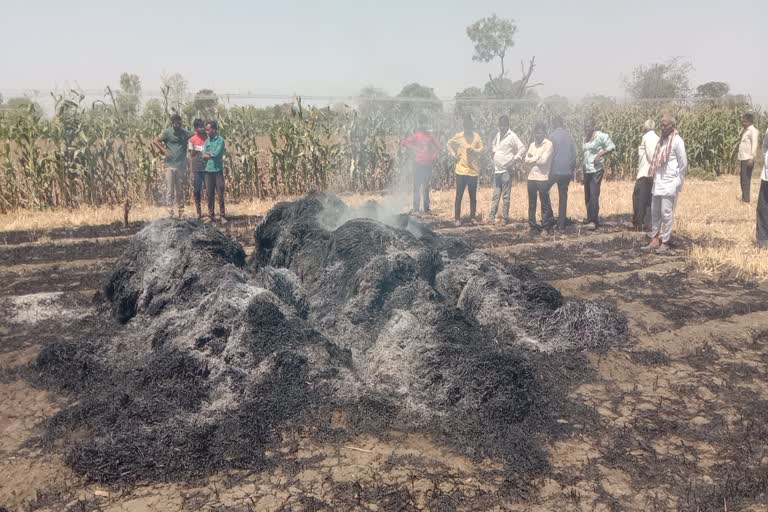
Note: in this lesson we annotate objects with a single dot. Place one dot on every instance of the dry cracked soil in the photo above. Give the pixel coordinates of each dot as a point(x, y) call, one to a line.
point(678, 420)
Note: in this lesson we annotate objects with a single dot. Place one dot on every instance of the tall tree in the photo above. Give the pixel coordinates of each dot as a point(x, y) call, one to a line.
point(492, 37)
point(469, 101)
point(22, 107)
point(203, 105)
point(154, 113)
point(418, 99)
point(667, 80)
point(713, 90)
point(174, 91)
point(129, 96)
point(414, 100)
point(373, 101)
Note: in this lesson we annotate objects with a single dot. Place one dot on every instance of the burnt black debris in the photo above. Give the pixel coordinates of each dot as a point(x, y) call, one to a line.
point(168, 264)
point(359, 314)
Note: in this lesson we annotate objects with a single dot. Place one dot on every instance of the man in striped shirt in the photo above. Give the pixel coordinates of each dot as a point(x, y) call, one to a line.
point(598, 145)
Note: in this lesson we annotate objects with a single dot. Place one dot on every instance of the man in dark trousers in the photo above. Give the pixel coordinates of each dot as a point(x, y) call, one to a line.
point(748, 148)
point(195, 149)
point(426, 152)
point(598, 144)
point(213, 154)
point(563, 166)
point(466, 147)
point(643, 192)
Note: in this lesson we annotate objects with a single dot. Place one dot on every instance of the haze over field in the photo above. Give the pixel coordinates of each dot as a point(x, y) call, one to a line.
point(336, 47)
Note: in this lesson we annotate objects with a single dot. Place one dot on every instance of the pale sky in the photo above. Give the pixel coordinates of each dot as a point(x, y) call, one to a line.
point(335, 47)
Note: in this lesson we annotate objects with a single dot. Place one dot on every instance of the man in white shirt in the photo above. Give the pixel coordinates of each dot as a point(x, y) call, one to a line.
point(762, 201)
point(538, 161)
point(506, 151)
point(668, 167)
point(643, 193)
point(748, 148)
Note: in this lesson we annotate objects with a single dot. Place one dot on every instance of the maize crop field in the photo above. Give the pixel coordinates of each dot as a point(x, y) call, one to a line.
point(92, 155)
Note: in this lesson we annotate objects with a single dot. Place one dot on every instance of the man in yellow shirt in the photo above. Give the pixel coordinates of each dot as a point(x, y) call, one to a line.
point(466, 147)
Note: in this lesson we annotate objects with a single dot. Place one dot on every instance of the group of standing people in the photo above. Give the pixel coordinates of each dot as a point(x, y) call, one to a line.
point(552, 160)
point(198, 155)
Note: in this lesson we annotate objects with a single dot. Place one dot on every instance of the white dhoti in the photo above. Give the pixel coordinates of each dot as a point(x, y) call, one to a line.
point(662, 216)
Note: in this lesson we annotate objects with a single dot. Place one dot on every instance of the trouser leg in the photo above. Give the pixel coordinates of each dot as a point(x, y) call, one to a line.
point(460, 186)
point(198, 190)
point(220, 192)
point(638, 209)
point(506, 193)
point(746, 180)
point(547, 218)
point(425, 184)
point(656, 216)
point(181, 188)
point(472, 185)
point(593, 206)
point(762, 214)
point(587, 192)
point(532, 197)
point(646, 194)
point(667, 216)
point(562, 200)
point(170, 186)
point(210, 191)
point(496, 197)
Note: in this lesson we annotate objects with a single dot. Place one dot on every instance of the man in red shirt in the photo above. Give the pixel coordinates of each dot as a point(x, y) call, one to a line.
point(195, 147)
point(426, 152)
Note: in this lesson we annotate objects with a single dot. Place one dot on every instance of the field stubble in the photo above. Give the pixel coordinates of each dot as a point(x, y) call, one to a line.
point(709, 212)
point(674, 422)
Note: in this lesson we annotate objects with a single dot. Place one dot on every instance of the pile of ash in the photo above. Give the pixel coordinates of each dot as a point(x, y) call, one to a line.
point(207, 361)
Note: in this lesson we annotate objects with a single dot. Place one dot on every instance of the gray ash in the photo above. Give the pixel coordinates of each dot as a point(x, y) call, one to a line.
point(209, 360)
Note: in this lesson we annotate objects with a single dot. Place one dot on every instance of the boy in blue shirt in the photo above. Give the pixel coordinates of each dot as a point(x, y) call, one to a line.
point(213, 154)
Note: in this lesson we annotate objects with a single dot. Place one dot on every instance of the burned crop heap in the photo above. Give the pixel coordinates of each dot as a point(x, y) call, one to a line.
point(207, 362)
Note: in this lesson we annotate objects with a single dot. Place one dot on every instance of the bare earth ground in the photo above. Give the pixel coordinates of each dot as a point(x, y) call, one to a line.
point(677, 420)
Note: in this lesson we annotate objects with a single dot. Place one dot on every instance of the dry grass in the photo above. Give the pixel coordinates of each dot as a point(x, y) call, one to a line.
point(46, 219)
point(708, 210)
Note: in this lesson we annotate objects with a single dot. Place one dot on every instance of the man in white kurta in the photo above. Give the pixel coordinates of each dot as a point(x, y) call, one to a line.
point(643, 193)
point(668, 169)
point(748, 153)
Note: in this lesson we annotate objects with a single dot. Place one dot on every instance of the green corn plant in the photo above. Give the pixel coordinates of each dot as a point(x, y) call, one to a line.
point(92, 155)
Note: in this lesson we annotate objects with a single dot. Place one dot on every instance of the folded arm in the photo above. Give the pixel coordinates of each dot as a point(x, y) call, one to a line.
point(520, 153)
point(532, 157)
point(546, 155)
point(453, 146)
point(217, 148)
